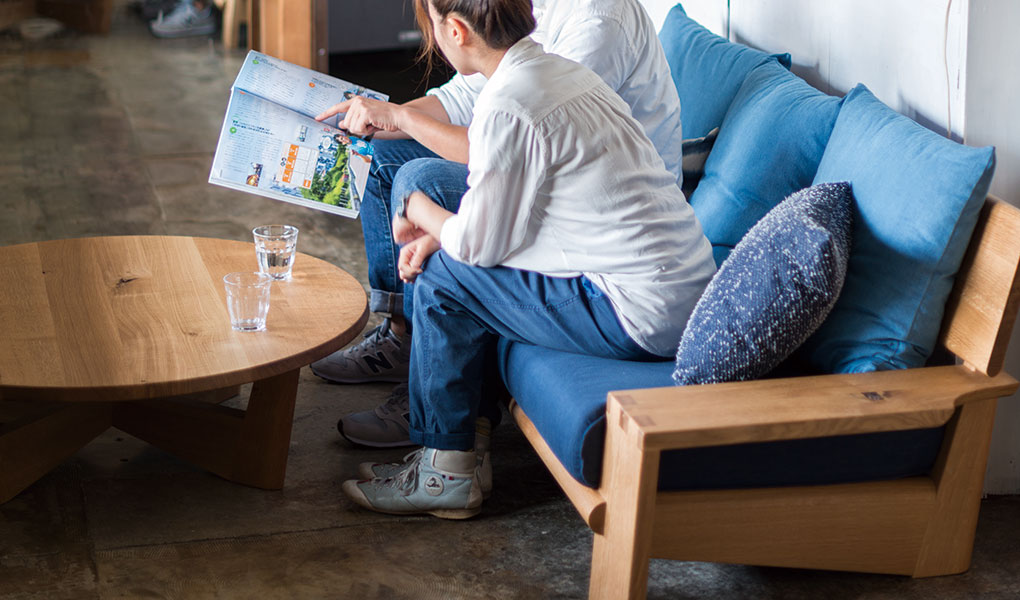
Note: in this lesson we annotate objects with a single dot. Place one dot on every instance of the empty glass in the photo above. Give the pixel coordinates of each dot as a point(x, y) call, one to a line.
point(275, 248)
point(247, 299)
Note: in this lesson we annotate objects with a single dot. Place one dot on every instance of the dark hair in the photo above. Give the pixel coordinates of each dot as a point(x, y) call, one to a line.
point(500, 23)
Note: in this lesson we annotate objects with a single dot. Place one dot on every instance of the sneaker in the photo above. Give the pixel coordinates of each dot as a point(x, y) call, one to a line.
point(483, 470)
point(381, 356)
point(441, 483)
point(385, 426)
point(184, 21)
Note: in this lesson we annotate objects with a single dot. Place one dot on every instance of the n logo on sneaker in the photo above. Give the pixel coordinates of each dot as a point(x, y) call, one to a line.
point(433, 485)
point(378, 362)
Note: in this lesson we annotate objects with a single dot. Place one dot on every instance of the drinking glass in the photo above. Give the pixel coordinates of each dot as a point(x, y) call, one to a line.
point(275, 248)
point(247, 299)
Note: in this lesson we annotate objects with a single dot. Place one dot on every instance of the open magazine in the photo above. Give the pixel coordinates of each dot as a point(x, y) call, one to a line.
point(270, 143)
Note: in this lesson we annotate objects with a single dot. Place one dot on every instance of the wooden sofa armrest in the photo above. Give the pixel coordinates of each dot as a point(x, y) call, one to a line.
point(800, 407)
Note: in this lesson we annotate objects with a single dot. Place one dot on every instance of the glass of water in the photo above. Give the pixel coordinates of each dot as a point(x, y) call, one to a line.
point(247, 299)
point(275, 247)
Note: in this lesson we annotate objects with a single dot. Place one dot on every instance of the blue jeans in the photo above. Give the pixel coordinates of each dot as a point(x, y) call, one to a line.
point(461, 311)
point(442, 180)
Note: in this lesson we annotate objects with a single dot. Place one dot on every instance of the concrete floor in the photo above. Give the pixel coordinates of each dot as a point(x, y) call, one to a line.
point(114, 135)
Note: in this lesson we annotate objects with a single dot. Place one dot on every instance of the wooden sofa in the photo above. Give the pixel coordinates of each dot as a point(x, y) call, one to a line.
point(919, 526)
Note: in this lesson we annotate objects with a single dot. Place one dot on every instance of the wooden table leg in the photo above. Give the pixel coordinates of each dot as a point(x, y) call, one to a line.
point(244, 446)
point(34, 438)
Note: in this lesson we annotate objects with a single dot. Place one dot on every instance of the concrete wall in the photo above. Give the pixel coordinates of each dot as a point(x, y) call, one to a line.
point(948, 64)
point(993, 87)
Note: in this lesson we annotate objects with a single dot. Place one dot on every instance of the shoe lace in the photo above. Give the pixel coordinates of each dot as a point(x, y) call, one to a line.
point(398, 401)
point(406, 481)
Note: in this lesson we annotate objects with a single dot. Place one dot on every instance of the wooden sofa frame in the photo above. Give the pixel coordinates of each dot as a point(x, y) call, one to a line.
point(918, 526)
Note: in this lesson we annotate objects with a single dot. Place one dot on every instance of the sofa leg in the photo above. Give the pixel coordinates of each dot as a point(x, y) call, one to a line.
point(621, 552)
point(959, 475)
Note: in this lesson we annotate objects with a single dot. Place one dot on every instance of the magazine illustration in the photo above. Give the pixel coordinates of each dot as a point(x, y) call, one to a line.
point(270, 143)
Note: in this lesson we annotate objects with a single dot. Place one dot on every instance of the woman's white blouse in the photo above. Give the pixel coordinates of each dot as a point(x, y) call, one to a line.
point(563, 181)
point(617, 40)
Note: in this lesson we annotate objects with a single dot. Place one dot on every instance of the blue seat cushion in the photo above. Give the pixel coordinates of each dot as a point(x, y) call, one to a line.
point(773, 291)
point(707, 70)
point(769, 146)
point(564, 395)
point(918, 196)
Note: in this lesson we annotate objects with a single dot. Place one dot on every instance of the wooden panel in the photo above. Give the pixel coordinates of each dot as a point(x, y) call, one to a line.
point(248, 447)
point(88, 16)
point(982, 308)
point(959, 473)
point(13, 12)
point(41, 436)
point(287, 30)
point(805, 407)
point(872, 527)
point(630, 473)
point(588, 502)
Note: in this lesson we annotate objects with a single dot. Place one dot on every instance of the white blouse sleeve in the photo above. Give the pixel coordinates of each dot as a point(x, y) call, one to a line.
point(458, 96)
point(506, 168)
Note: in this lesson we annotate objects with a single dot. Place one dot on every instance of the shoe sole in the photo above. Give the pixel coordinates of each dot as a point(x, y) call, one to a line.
point(180, 34)
point(442, 513)
point(346, 380)
point(370, 443)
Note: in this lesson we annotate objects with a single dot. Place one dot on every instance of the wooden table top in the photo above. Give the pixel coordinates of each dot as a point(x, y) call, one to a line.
point(134, 317)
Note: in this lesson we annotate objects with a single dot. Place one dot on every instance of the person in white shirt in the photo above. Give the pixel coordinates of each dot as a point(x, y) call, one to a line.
point(614, 38)
point(572, 235)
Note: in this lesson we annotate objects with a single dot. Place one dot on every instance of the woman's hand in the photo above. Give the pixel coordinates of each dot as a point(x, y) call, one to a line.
point(364, 116)
point(413, 255)
point(404, 231)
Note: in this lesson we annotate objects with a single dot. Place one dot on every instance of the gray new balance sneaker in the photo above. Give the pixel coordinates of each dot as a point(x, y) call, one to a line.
point(483, 469)
point(381, 356)
point(436, 482)
point(385, 426)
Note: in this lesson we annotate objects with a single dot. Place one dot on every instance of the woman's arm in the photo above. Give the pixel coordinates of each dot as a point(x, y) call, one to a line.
point(422, 119)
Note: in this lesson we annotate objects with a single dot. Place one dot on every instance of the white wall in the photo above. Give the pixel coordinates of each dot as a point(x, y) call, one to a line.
point(902, 50)
point(993, 87)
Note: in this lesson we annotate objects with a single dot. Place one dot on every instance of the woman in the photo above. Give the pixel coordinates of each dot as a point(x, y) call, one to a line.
point(572, 235)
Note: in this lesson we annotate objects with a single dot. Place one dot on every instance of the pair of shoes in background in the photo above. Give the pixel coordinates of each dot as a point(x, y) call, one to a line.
point(184, 21)
point(381, 356)
point(444, 483)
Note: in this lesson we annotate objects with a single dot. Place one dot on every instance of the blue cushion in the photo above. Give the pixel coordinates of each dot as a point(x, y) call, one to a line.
point(769, 147)
point(918, 196)
point(707, 70)
point(773, 291)
point(564, 395)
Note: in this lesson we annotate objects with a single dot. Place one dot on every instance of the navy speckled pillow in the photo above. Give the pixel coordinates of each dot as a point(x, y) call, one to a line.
point(772, 292)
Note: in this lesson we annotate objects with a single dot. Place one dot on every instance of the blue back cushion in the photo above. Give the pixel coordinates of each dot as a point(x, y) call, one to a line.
point(707, 70)
point(917, 197)
point(773, 291)
point(769, 146)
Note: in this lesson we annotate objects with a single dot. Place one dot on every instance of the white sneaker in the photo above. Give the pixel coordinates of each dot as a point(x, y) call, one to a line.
point(184, 21)
point(436, 482)
point(371, 470)
point(381, 356)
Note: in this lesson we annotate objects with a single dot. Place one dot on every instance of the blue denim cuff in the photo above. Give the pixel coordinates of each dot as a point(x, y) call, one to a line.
point(389, 303)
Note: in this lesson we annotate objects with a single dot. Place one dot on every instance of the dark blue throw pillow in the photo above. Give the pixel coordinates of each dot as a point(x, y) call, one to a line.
point(774, 290)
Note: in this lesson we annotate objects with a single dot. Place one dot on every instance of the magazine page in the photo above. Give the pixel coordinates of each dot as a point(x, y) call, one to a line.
point(269, 150)
point(297, 88)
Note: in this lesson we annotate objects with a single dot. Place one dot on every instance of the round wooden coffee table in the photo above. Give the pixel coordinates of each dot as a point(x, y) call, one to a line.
point(132, 332)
